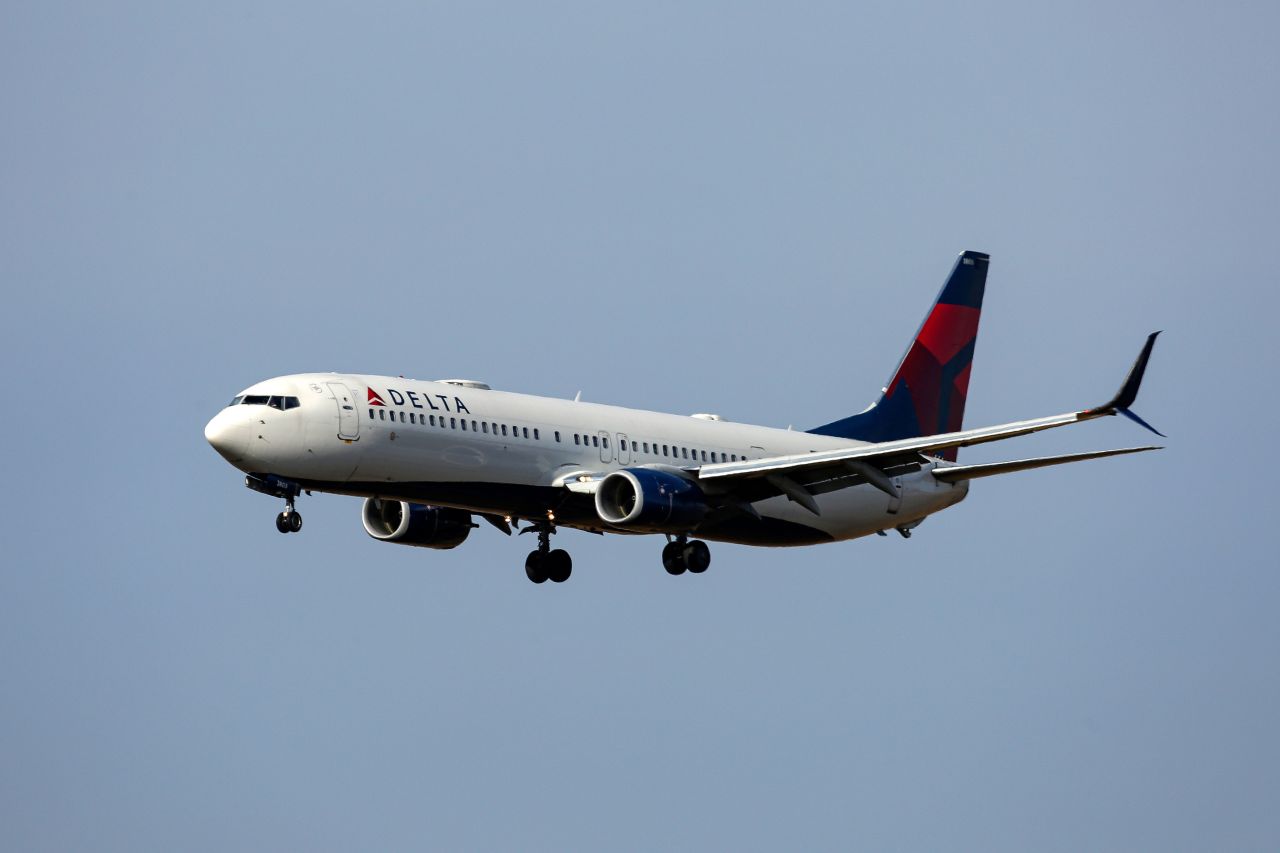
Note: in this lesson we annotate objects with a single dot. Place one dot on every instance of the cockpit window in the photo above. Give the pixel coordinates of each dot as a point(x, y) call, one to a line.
point(275, 401)
point(235, 401)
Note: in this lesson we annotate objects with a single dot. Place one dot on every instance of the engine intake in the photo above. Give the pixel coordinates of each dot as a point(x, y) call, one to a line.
point(415, 524)
point(649, 499)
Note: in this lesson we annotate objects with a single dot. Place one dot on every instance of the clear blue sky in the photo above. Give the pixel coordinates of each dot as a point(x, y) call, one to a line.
point(725, 207)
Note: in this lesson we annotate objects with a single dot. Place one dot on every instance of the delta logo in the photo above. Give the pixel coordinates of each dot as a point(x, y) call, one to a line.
point(419, 401)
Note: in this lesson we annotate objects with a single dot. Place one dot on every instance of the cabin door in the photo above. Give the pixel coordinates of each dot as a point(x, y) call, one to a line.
point(348, 414)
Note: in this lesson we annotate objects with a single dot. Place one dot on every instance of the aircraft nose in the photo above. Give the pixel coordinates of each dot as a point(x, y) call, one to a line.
point(227, 435)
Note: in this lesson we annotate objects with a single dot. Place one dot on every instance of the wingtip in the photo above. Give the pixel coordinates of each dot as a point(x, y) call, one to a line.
point(1128, 392)
point(1139, 421)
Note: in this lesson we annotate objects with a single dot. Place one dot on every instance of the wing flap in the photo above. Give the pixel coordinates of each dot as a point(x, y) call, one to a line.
point(887, 450)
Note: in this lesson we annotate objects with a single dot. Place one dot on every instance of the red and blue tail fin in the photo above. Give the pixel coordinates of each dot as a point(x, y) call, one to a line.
point(927, 392)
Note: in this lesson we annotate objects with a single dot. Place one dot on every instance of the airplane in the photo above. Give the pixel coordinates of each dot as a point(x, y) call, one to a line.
point(430, 457)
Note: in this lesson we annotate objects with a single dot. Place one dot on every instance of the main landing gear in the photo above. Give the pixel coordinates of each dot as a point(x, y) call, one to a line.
point(681, 554)
point(544, 564)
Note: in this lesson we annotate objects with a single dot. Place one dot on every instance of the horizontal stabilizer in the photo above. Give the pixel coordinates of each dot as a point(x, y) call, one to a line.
point(957, 473)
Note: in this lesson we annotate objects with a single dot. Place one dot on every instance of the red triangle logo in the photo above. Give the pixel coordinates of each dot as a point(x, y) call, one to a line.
point(374, 399)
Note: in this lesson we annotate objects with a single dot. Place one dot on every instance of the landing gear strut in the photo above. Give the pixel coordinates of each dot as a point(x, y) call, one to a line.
point(681, 554)
point(289, 521)
point(545, 564)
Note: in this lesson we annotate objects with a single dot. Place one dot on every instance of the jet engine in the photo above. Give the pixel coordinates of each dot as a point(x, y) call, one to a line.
point(415, 524)
point(650, 499)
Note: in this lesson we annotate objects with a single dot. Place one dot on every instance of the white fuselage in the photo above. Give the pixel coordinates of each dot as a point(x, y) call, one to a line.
point(518, 455)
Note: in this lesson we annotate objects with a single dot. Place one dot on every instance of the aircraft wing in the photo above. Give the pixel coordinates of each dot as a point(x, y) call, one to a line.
point(800, 476)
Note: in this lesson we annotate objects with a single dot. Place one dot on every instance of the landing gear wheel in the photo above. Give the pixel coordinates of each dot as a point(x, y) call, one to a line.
point(282, 522)
point(697, 556)
point(559, 565)
point(544, 564)
point(295, 522)
point(535, 567)
point(673, 558)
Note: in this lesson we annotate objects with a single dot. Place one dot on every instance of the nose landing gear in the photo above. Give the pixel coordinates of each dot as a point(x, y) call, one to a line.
point(289, 521)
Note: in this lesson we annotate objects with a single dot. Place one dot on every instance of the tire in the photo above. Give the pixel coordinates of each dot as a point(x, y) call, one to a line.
point(534, 567)
point(295, 522)
point(282, 523)
point(697, 556)
point(559, 566)
point(673, 558)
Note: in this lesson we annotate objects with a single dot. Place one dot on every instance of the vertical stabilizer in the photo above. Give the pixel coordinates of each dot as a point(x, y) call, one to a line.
point(927, 392)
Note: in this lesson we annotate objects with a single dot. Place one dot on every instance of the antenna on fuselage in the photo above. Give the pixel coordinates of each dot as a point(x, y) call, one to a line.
point(577, 398)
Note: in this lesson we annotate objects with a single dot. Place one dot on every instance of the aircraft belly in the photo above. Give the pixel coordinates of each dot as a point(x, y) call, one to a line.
point(863, 510)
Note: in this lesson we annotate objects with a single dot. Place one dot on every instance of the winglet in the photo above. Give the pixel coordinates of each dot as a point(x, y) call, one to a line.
point(1128, 392)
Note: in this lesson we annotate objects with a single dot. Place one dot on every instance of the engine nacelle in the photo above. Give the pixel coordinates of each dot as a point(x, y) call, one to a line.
point(648, 499)
point(415, 524)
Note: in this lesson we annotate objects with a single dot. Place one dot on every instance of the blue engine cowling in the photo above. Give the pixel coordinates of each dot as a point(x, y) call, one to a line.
point(415, 524)
point(649, 499)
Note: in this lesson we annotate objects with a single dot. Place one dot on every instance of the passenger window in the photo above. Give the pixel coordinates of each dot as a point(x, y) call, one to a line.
point(486, 428)
point(372, 414)
point(402, 417)
point(536, 437)
point(433, 419)
point(704, 456)
point(453, 422)
point(473, 427)
point(684, 451)
point(382, 414)
point(464, 425)
point(575, 439)
point(623, 445)
point(557, 436)
point(413, 419)
point(504, 429)
point(606, 442)
point(664, 450)
point(595, 439)
point(535, 434)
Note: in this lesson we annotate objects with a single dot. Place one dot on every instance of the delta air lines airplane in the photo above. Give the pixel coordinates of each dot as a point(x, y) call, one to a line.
point(429, 457)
